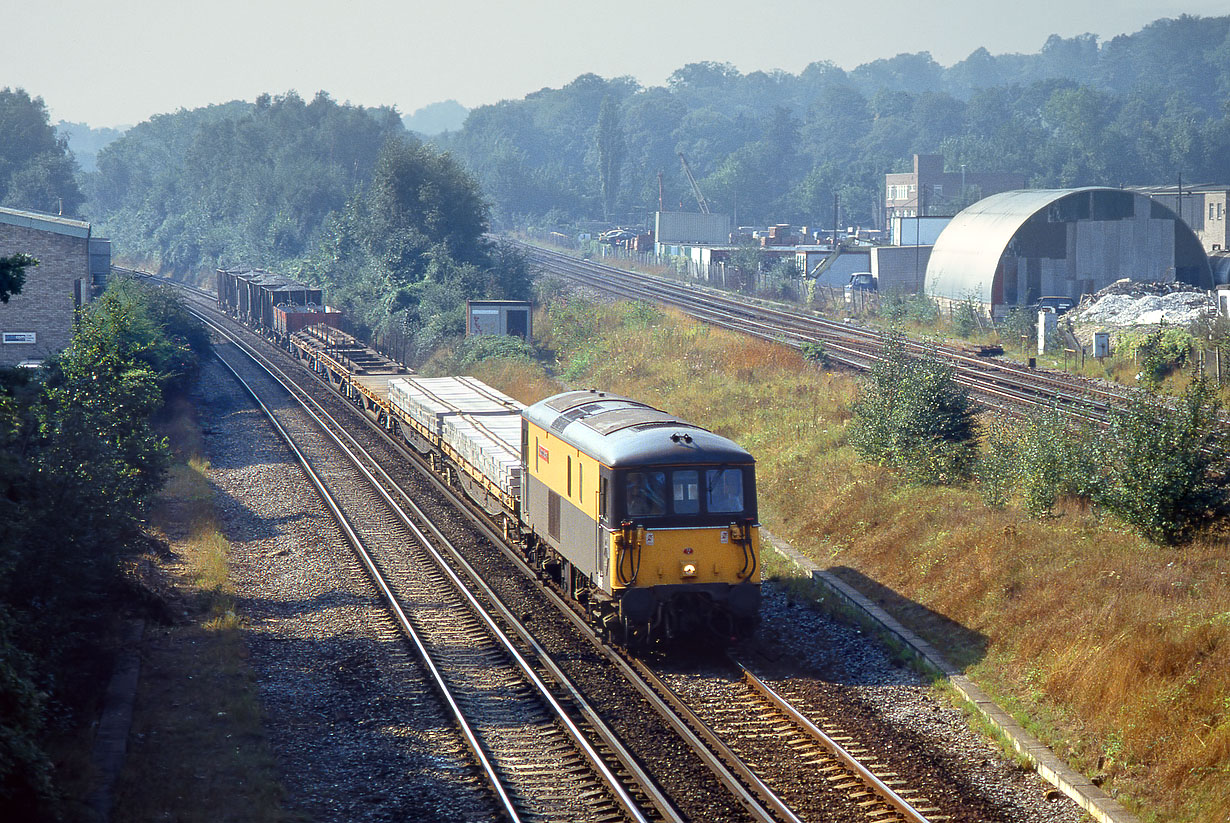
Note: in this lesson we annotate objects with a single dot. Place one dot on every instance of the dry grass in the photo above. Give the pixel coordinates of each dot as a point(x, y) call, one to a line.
point(197, 751)
point(1114, 650)
point(525, 383)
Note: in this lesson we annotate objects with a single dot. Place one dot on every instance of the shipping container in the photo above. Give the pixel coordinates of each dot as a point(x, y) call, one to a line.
point(691, 227)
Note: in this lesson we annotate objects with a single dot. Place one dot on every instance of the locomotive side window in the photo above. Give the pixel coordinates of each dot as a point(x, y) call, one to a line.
point(724, 490)
point(646, 494)
point(686, 489)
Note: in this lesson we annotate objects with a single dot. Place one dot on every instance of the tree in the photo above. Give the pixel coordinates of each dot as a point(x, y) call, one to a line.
point(743, 267)
point(13, 274)
point(912, 414)
point(409, 249)
point(36, 169)
point(236, 184)
point(610, 153)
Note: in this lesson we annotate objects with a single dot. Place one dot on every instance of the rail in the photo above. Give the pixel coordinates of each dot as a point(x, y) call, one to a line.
point(631, 808)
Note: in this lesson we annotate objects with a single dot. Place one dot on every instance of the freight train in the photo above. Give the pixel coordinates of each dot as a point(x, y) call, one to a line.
point(646, 521)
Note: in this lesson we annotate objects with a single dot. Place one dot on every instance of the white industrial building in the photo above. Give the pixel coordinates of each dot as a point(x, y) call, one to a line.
point(1013, 248)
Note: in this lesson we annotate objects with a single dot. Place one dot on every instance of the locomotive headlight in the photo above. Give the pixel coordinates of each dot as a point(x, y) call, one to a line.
point(689, 570)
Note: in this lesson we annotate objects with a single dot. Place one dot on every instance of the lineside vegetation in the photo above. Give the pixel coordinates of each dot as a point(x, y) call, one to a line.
point(1110, 646)
point(1158, 464)
point(79, 465)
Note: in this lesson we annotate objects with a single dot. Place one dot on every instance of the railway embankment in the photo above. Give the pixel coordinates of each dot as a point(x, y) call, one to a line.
point(1110, 648)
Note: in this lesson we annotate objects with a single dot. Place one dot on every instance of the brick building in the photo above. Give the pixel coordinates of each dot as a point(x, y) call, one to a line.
point(72, 267)
point(929, 190)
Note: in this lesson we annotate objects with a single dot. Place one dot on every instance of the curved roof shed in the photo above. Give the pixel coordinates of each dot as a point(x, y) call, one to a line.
point(1011, 249)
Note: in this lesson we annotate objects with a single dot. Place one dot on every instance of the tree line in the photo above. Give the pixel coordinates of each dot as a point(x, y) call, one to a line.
point(338, 195)
point(1141, 109)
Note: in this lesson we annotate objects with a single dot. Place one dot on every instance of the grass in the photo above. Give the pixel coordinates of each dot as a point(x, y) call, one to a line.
point(1113, 650)
point(198, 750)
point(980, 724)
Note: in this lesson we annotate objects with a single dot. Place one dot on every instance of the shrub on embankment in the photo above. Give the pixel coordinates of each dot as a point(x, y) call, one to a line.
point(1116, 648)
point(78, 464)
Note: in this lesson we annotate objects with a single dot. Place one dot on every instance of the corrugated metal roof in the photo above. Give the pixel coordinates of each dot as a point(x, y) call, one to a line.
point(967, 251)
point(45, 222)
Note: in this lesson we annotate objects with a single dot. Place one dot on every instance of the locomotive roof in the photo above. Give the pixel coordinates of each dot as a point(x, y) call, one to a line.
point(619, 431)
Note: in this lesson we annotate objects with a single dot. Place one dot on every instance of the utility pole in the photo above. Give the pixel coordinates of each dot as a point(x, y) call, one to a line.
point(1180, 209)
point(919, 204)
point(660, 191)
point(836, 221)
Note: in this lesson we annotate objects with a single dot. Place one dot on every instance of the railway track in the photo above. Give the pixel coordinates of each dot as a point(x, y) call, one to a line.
point(995, 383)
point(544, 753)
point(705, 766)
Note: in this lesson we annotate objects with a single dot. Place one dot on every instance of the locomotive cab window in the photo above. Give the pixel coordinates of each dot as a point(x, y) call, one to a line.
point(724, 490)
point(646, 494)
point(693, 494)
point(686, 491)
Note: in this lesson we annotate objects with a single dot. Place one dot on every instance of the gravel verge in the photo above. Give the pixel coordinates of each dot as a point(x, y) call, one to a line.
point(831, 669)
point(357, 731)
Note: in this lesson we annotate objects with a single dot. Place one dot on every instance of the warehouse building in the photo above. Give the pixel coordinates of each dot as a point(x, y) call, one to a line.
point(1013, 248)
point(73, 267)
point(1202, 207)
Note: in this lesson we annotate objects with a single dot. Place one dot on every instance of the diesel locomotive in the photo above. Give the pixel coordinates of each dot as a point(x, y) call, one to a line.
point(647, 519)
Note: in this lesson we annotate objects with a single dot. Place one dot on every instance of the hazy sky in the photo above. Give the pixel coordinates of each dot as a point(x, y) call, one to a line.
point(120, 61)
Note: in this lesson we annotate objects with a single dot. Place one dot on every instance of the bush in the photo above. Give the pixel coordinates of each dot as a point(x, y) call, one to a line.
point(473, 350)
point(781, 281)
point(915, 308)
point(1036, 458)
point(965, 319)
point(1019, 323)
point(1161, 464)
point(913, 415)
point(25, 770)
point(1160, 353)
point(816, 353)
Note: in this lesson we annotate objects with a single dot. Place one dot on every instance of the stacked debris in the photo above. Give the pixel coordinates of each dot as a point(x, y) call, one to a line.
point(1130, 303)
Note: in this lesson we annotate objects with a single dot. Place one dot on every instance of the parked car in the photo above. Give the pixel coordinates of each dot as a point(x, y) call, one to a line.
point(860, 282)
point(1057, 304)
